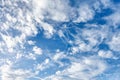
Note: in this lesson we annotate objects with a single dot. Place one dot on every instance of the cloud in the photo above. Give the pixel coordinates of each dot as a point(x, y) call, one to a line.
point(37, 50)
point(55, 11)
point(30, 42)
point(44, 65)
point(64, 12)
point(114, 19)
point(48, 29)
point(10, 40)
point(105, 54)
point(88, 40)
point(86, 69)
point(23, 21)
point(58, 56)
point(85, 13)
point(16, 25)
point(7, 73)
point(114, 42)
point(106, 3)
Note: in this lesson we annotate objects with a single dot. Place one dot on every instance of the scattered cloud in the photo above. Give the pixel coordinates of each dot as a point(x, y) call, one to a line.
point(85, 13)
point(114, 42)
point(31, 30)
point(105, 54)
point(85, 69)
point(37, 50)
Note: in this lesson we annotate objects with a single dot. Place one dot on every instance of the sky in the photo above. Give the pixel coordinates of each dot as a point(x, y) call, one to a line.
point(59, 39)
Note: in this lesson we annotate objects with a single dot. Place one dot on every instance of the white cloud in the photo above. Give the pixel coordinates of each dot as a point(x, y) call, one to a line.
point(62, 11)
point(31, 56)
point(58, 56)
point(75, 50)
point(30, 42)
point(81, 47)
point(88, 40)
point(106, 3)
point(114, 43)
point(18, 56)
point(9, 41)
point(85, 13)
point(47, 61)
point(55, 10)
point(37, 50)
point(85, 69)
point(45, 64)
point(7, 73)
point(105, 54)
point(114, 19)
point(16, 26)
point(48, 29)
point(60, 33)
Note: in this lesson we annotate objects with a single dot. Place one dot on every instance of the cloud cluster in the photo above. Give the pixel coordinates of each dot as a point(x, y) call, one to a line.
point(85, 69)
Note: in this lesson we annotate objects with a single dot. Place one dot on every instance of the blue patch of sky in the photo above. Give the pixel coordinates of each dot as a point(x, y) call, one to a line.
point(65, 60)
point(41, 58)
point(24, 63)
point(116, 1)
point(98, 18)
point(113, 62)
point(103, 46)
point(49, 71)
point(79, 55)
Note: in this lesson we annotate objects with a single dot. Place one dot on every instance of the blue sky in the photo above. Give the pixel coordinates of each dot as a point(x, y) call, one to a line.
point(59, 40)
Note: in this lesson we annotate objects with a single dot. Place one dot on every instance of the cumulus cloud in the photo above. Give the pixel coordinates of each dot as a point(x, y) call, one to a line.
point(37, 50)
point(114, 42)
point(55, 10)
point(7, 73)
point(90, 39)
point(105, 54)
point(30, 42)
point(85, 69)
point(114, 19)
point(85, 13)
point(48, 29)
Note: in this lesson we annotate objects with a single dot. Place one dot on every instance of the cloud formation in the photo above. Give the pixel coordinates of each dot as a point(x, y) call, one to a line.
point(59, 40)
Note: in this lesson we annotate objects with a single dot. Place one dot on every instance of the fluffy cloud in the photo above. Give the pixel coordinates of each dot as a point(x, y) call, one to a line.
point(37, 50)
point(55, 10)
point(86, 69)
point(105, 54)
point(48, 29)
point(43, 65)
point(90, 39)
point(114, 42)
point(7, 73)
point(85, 13)
point(114, 19)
